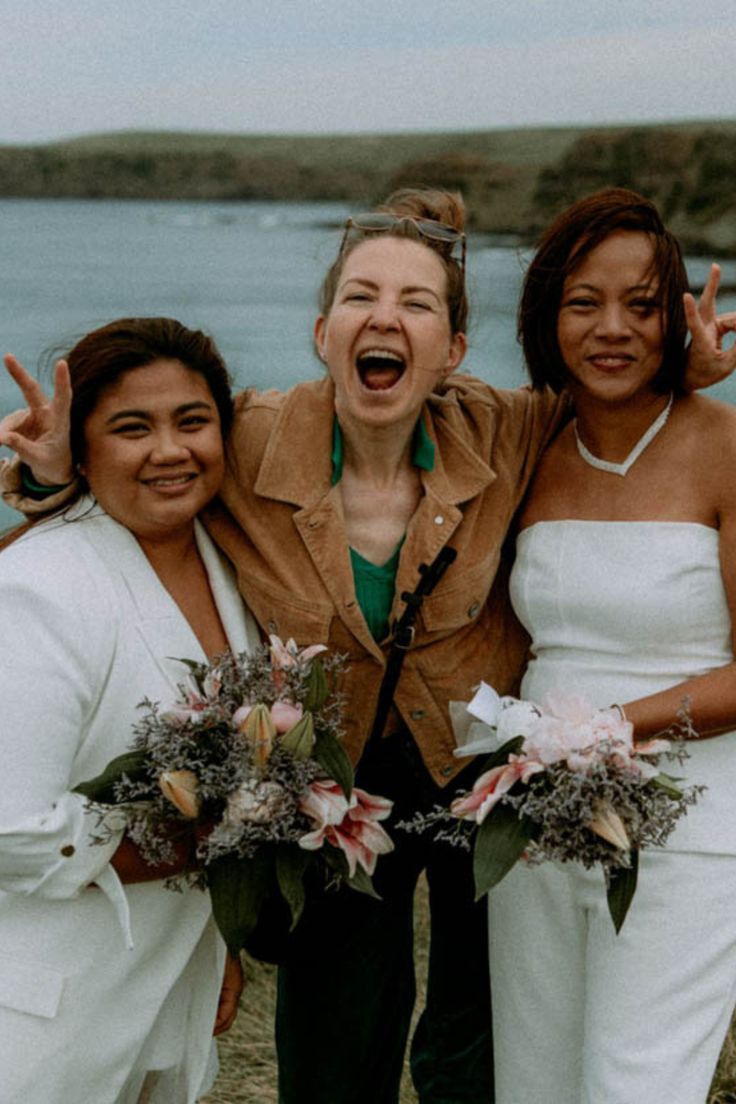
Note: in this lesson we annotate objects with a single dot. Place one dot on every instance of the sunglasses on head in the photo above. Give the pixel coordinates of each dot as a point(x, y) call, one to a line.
point(373, 222)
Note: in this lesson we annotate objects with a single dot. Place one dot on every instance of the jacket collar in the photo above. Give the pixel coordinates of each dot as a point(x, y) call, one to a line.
point(297, 463)
point(159, 622)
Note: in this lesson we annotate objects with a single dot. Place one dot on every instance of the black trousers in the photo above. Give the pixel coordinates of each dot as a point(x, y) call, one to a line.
point(346, 998)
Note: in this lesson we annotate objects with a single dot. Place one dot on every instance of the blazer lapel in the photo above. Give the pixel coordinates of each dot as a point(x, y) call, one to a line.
point(240, 627)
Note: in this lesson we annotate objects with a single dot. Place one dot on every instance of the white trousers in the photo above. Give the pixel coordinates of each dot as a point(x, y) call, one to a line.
point(583, 1016)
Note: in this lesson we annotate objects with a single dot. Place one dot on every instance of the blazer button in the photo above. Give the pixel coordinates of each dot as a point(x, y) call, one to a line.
point(447, 771)
point(474, 609)
point(439, 520)
point(68, 850)
point(417, 714)
point(272, 627)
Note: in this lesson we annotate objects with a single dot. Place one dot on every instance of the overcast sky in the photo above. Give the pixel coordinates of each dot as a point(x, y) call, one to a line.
point(70, 67)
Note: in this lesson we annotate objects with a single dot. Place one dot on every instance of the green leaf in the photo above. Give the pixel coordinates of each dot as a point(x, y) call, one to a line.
point(132, 764)
point(291, 866)
point(238, 888)
point(500, 840)
point(363, 883)
point(335, 858)
point(317, 688)
point(333, 759)
point(620, 891)
point(196, 669)
point(299, 740)
point(667, 783)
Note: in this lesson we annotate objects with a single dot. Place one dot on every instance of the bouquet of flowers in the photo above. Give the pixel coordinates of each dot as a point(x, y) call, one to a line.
point(566, 782)
point(248, 762)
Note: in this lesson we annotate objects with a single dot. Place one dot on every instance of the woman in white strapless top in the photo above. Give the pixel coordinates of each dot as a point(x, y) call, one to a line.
point(625, 579)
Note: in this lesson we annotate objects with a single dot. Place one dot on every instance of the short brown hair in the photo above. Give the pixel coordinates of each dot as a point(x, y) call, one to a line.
point(561, 249)
point(420, 203)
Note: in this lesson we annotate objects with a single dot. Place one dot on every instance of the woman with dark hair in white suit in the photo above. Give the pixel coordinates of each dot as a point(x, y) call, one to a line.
point(109, 983)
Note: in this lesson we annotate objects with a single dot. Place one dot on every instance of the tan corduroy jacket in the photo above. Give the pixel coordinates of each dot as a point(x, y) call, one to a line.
point(284, 532)
point(280, 522)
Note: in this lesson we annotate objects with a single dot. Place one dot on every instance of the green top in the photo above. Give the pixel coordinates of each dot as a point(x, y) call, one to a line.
point(374, 589)
point(422, 450)
point(375, 586)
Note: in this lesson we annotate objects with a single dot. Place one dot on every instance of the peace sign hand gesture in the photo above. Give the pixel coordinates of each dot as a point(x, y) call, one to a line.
point(39, 434)
point(708, 361)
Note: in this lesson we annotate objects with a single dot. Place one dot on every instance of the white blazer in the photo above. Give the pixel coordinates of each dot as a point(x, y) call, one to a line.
point(100, 984)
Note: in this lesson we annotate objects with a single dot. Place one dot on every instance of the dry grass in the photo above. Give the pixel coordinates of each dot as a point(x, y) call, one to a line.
point(248, 1059)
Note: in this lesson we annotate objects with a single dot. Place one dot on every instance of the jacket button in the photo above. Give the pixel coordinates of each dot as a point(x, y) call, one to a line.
point(68, 850)
point(417, 714)
point(473, 611)
point(446, 771)
point(439, 520)
point(272, 627)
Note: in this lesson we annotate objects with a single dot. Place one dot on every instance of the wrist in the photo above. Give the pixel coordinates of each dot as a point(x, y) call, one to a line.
point(38, 485)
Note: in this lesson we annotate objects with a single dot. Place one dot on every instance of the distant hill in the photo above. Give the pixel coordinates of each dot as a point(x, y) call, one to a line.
point(512, 180)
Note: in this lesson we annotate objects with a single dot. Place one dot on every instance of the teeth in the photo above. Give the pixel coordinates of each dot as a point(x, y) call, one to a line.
point(173, 482)
point(382, 354)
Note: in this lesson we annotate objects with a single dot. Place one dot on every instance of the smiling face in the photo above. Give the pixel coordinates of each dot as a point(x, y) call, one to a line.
point(387, 340)
point(153, 449)
point(610, 326)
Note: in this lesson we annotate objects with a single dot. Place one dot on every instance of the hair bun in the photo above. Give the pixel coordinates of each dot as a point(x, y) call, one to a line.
point(427, 203)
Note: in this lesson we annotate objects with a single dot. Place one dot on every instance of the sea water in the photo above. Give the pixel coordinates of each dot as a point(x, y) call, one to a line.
point(248, 273)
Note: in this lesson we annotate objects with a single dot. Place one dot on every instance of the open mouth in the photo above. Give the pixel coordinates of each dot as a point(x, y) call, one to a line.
point(380, 369)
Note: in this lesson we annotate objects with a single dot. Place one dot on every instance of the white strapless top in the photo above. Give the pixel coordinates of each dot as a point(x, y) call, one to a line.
point(618, 610)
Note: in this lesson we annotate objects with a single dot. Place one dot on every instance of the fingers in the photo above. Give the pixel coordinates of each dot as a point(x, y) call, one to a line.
point(62, 400)
point(707, 302)
point(692, 315)
point(726, 323)
point(232, 987)
point(227, 1010)
point(32, 391)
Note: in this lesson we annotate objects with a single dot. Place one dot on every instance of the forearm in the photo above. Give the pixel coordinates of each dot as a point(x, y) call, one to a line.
point(708, 700)
point(130, 865)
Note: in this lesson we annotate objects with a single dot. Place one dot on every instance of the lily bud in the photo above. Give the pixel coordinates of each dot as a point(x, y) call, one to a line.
point(260, 733)
point(300, 738)
point(180, 787)
point(608, 825)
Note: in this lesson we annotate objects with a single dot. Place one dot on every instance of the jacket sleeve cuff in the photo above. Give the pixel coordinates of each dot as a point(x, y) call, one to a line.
point(18, 493)
point(52, 854)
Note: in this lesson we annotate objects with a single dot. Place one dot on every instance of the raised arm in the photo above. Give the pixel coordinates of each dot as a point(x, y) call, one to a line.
point(708, 361)
point(39, 433)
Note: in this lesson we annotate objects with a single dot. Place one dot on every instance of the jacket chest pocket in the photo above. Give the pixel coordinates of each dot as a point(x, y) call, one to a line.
point(282, 613)
point(460, 599)
point(30, 987)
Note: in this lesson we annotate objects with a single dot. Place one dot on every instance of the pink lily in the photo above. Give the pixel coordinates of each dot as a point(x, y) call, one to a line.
point(289, 655)
point(325, 803)
point(188, 708)
point(356, 832)
point(490, 787)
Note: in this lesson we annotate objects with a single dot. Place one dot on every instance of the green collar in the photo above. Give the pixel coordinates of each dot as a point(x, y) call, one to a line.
point(422, 450)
